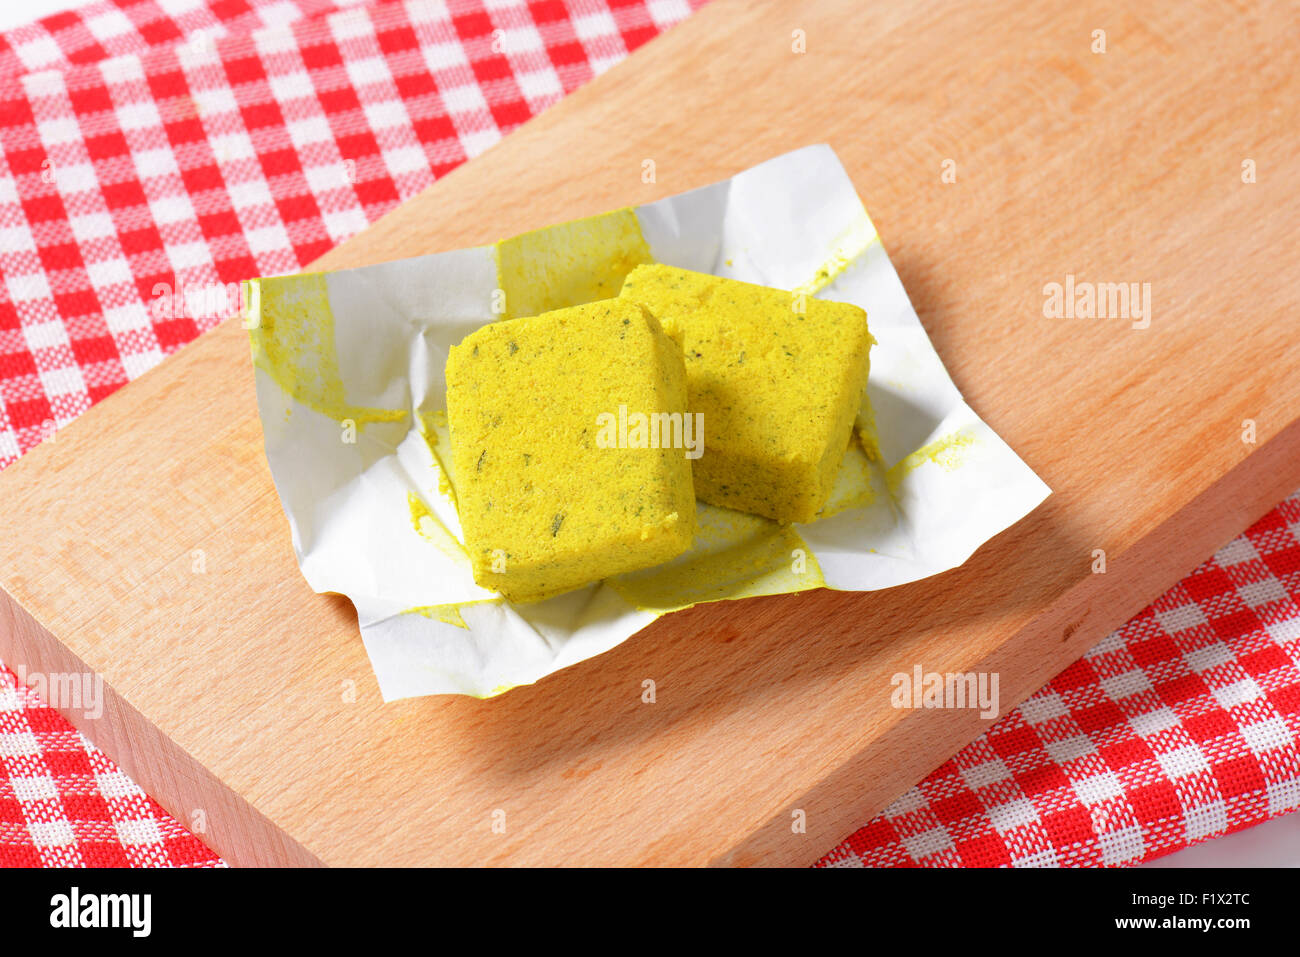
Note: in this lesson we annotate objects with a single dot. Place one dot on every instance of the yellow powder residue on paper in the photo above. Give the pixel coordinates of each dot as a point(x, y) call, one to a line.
point(864, 427)
point(431, 529)
point(447, 614)
point(846, 250)
point(858, 484)
point(569, 264)
point(734, 556)
point(948, 453)
point(292, 339)
point(450, 615)
point(437, 436)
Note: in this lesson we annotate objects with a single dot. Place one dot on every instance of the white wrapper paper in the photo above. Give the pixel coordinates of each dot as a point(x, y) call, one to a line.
point(942, 483)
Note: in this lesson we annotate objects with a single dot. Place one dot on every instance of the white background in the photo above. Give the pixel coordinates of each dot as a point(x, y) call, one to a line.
point(17, 12)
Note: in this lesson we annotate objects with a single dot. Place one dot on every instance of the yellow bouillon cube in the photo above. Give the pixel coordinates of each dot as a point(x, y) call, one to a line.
point(778, 379)
point(551, 494)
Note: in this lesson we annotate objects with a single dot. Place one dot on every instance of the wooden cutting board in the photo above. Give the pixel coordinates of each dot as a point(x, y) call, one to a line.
point(244, 703)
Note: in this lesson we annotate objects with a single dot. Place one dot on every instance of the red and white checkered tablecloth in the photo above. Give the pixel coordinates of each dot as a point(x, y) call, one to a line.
point(181, 143)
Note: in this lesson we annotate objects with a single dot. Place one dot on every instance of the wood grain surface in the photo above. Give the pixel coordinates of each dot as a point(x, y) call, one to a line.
point(230, 687)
